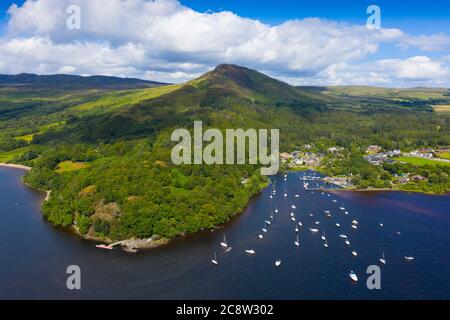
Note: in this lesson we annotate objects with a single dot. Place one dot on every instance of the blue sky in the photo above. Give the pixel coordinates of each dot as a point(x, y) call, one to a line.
point(186, 38)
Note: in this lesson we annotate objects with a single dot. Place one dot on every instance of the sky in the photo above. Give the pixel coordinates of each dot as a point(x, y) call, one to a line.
point(300, 42)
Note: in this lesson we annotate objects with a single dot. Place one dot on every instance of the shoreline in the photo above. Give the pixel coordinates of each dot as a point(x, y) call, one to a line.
point(384, 190)
point(15, 166)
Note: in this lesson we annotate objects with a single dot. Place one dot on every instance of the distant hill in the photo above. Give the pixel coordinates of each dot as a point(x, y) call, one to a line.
point(72, 82)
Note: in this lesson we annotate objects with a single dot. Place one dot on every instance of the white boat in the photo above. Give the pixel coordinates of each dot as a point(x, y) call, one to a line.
point(342, 208)
point(277, 263)
point(214, 261)
point(285, 195)
point(264, 230)
point(250, 251)
point(276, 210)
point(381, 225)
point(292, 214)
point(297, 242)
point(297, 195)
point(271, 217)
point(327, 211)
point(311, 215)
point(353, 276)
point(300, 224)
point(104, 247)
point(228, 249)
point(383, 259)
point(313, 230)
point(293, 219)
point(260, 236)
point(224, 243)
point(329, 215)
point(296, 229)
point(354, 226)
point(317, 222)
point(323, 236)
point(354, 253)
point(268, 222)
point(347, 242)
point(334, 201)
point(270, 197)
point(338, 224)
point(343, 236)
point(293, 207)
point(346, 212)
point(326, 244)
point(409, 258)
point(355, 222)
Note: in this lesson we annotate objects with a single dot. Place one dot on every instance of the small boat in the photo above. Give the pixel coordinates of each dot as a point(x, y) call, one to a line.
point(354, 226)
point(297, 196)
point(326, 244)
point(276, 210)
point(268, 222)
point(224, 243)
point(313, 230)
point(323, 236)
point(327, 211)
point(293, 207)
point(260, 236)
point(346, 213)
point(382, 259)
point(347, 242)
point(296, 229)
point(317, 222)
point(334, 201)
point(214, 261)
point(329, 215)
point(381, 225)
point(355, 222)
point(343, 236)
point(250, 251)
point(228, 249)
point(409, 258)
point(264, 230)
point(293, 219)
point(300, 224)
point(338, 224)
point(104, 246)
point(297, 242)
point(292, 214)
point(399, 233)
point(342, 208)
point(354, 253)
point(285, 195)
point(271, 217)
point(270, 197)
point(277, 263)
point(353, 276)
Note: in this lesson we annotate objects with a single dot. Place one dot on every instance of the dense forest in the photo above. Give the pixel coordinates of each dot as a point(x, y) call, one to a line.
point(105, 154)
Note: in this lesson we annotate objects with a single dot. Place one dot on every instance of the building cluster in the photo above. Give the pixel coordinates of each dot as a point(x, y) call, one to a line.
point(300, 158)
point(382, 157)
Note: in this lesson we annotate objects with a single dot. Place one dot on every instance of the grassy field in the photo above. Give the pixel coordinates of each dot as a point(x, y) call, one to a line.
point(68, 166)
point(9, 155)
point(442, 108)
point(422, 162)
point(444, 155)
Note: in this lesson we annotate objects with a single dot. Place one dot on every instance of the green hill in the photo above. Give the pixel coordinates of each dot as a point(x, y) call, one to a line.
point(105, 154)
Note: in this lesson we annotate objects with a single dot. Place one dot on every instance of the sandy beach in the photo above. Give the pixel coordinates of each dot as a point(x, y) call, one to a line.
point(15, 166)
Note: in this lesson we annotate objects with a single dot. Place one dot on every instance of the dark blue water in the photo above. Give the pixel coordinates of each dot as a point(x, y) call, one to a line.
point(34, 256)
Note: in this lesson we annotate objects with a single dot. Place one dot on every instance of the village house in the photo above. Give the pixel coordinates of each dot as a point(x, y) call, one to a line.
point(373, 149)
point(284, 156)
point(418, 178)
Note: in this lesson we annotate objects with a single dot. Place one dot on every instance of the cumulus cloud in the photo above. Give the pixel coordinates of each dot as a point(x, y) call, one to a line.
point(166, 41)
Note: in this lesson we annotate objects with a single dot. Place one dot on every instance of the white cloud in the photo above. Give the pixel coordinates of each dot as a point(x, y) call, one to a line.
point(166, 41)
